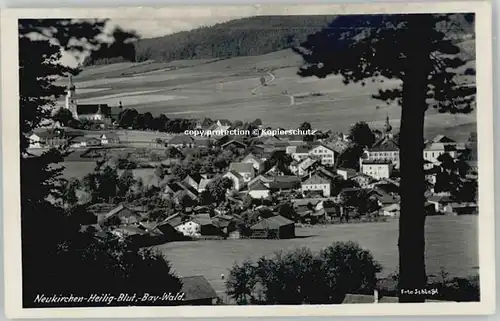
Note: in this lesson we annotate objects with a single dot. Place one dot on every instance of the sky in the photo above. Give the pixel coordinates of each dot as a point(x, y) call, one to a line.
point(150, 28)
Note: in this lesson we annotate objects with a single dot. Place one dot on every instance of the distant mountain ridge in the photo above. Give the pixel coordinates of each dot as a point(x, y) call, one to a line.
point(247, 37)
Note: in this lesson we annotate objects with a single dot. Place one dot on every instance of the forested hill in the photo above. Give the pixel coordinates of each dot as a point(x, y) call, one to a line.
point(242, 37)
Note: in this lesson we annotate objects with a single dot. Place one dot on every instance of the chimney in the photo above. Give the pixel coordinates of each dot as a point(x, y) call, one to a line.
point(375, 296)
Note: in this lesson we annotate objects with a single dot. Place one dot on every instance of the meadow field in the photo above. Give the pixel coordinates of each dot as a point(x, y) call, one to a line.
point(230, 89)
point(451, 245)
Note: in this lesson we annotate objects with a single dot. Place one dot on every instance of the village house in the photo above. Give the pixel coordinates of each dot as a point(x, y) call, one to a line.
point(178, 190)
point(257, 163)
point(324, 153)
point(317, 183)
point(285, 184)
point(236, 178)
point(83, 141)
point(220, 126)
point(440, 202)
point(204, 124)
point(304, 166)
point(392, 210)
point(362, 180)
point(109, 138)
point(461, 208)
point(245, 170)
point(234, 144)
point(346, 173)
point(180, 141)
point(385, 149)
point(299, 153)
point(383, 198)
point(308, 204)
point(275, 227)
point(377, 169)
point(34, 141)
point(198, 182)
point(433, 150)
point(122, 213)
point(52, 137)
point(258, 190)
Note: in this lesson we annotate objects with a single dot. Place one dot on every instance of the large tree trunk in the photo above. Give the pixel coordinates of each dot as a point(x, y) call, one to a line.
point(412, 275)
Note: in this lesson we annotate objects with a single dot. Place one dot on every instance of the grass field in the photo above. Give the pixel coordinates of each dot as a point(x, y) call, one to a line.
point(226, 88)
point(451, 245)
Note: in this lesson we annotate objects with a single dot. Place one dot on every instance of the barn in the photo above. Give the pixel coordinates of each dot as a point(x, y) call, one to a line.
point(275, 227)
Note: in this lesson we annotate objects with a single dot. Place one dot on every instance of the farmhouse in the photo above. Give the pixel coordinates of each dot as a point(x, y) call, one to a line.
point(304, 166)
point(109, 138)
point(325, 154)
point(256, 162)
point(258, 190)
point(198, 182)
point(236, 178)
point(34, 141)
point(124, 214)
point(180, 141)
point(377, 169)
point(433, 150)
point(83, 141)
point(346, 173)
point(362, 180)
point(317, 183)
point(460, 208)
point(439, 202)
point(392, 210)
point(300, 153)
point(245, 170)
point(236, 144)
point(275, 227)
point(285, 183)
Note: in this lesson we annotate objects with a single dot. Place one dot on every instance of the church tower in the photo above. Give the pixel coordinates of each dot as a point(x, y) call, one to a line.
point(387, 128)
point(71, 98)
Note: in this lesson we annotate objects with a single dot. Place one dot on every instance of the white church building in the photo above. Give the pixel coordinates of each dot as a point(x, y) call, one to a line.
point(89, 112)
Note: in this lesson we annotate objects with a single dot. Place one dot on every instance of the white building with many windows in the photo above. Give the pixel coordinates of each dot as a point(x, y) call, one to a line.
point(378, 169)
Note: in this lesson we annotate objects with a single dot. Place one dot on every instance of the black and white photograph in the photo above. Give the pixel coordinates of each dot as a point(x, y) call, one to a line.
point(191, 159)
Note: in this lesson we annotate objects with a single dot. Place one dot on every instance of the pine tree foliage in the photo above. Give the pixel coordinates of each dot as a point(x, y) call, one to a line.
point(420, 51)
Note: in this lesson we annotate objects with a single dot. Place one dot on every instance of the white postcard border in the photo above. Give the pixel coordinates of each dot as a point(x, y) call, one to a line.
point(11, 167)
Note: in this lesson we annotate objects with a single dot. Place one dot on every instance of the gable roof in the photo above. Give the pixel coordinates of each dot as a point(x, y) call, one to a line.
point(234, 142)
point(315, 179)
point(181, 139)
point(195, 177)
point(240, 167)
point(316, 145)
point(251, 156)
point(442, 139)
point(204, 183)
point(302, 149)
point(90, 109)
point(224, 122)
point(274, 222)
point(440, 199)
point(385, 144)
point(258, 186)
point(121, 209)
point(236, 174)
point(197, 288)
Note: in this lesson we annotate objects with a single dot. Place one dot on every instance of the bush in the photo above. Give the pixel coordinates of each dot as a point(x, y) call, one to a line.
point(304, 277)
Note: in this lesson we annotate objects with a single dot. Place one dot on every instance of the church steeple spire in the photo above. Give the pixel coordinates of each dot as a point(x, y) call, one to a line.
point(71, 86)
point(387, 127)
